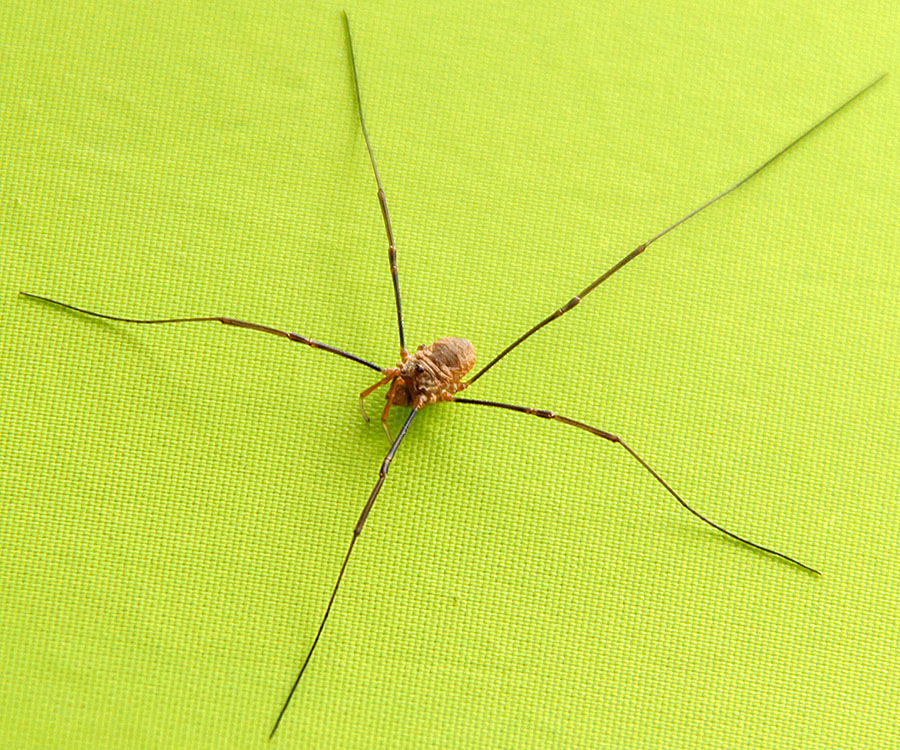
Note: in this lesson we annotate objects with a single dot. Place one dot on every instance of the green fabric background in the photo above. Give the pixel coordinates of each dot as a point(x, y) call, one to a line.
point(176, 501)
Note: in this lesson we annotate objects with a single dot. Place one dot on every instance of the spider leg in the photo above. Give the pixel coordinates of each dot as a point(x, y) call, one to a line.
point(382, 201)
point(385, 465)
point(218, 319)
point(545, 414)
point(640, 248)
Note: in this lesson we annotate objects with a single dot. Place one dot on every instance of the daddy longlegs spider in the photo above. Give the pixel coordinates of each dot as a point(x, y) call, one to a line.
point(434, 373)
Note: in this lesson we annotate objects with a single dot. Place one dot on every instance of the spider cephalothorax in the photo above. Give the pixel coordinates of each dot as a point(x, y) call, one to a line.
point(432, 373)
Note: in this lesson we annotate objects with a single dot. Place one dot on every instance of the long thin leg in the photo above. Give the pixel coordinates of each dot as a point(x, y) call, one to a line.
point(226, 321)
point(543, 413)
point(382, 201)
point(385, 465)
point(640, 248)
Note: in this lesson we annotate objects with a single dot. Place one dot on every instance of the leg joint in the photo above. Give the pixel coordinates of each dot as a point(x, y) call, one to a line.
point(570, 304)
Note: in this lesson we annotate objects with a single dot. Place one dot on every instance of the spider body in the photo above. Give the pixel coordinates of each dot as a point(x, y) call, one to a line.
point(430, 374)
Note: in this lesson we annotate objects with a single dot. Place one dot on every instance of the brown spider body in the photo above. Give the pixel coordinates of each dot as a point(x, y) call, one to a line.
point(433, 373)
point(430, 374)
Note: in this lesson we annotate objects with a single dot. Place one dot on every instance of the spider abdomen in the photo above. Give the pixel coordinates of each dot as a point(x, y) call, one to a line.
point(433, 373)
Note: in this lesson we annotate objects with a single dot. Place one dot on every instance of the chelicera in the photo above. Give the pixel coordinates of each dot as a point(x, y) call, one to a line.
point(435, 373)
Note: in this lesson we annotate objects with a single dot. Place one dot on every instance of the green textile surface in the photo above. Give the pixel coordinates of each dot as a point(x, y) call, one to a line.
point(176, 500)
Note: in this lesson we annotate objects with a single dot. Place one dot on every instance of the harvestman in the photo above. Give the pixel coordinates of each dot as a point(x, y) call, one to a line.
point(435, 373)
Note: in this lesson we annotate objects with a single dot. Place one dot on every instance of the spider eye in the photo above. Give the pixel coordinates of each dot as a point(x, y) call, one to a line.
point(419, 368)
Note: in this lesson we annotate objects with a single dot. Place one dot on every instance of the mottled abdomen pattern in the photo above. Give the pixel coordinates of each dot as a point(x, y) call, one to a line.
point(432, 373)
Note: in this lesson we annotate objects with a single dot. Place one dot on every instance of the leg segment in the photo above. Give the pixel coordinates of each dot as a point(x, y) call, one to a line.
point(640, 248)
point(225, 321)
point(382, 201)
point(544, 414)
point(385, 465)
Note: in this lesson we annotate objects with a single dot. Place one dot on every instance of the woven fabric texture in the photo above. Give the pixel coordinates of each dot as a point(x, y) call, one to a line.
point(176, 500)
